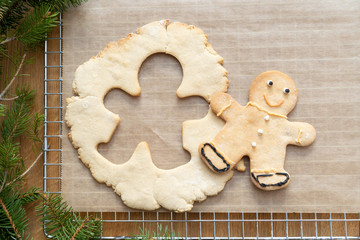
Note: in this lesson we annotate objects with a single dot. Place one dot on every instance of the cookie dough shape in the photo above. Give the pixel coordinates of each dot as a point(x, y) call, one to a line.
point(138, 181)
point(259, 130)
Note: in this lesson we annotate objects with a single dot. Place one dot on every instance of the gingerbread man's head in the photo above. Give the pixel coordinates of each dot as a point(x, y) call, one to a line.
point(274, 91)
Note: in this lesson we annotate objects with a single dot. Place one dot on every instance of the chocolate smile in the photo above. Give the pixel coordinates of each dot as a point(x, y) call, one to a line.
point(273, 105)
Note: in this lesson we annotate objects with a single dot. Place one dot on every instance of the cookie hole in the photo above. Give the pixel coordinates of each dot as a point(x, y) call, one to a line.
point(156, 116)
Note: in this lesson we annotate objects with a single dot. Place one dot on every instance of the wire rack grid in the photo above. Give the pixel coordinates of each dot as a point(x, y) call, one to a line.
point(200, 225)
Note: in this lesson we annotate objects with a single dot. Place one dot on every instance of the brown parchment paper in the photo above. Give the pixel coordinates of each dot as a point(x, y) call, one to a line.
point(317, 43)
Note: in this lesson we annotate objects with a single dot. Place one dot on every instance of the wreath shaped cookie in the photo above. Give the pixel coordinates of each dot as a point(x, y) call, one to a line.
point(138, 181)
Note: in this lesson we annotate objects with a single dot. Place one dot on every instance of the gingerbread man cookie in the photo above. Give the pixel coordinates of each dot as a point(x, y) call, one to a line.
point(259, 130)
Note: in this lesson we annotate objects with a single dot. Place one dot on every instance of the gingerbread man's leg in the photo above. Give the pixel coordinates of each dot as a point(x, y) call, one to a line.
point(268, 173)
point(223, 153)
point(213, 158)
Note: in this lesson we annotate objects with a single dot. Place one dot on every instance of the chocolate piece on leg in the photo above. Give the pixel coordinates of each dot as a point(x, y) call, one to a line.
point(213, 158)
point(270, 181)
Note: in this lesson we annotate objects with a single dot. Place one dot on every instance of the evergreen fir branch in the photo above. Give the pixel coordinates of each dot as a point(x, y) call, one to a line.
point(11, 12)
point(55, 213)
point(16, 121)
point(13, 221)
point(11, 164)
point(7, 40)
point(88, 228)
point(28, 21)
point(10, 219)
point(33, 29)
point(26, 171)
point(62, 223)
point(41, 18)
point(13, 71)
point(34, 130)
point(9, 99)
point(9, 155)
point(83, 224)
point(58, 5)
point(18, 118)
point(30, 196)
point(2, 110)
point(3, 180)
point(160, 233)
point(14, 77)
point(3, 53)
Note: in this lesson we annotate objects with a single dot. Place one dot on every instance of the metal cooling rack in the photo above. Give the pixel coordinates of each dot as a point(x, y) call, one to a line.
point(199, 225)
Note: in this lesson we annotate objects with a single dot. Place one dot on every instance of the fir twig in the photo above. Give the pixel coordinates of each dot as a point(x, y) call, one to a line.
point(62, 223)
point(7, 40)
point(18, 118)
point(16, 121)
point(14, 77)
point(9, 99)
point(13, 220)
point(33, 29)
point(2, 110)
point(12, 13)
point(161, 233)
point(79, 228)
point(26, 171)
point(4, 180)
point(33, 131)
point(11, 162)
point(30, 195)
point(50, 205)
point(10, 219)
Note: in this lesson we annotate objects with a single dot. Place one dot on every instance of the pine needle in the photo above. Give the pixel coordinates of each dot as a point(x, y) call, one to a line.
point(18, 117)
point(10, 219)
point(25, 172)
point(30, 196)
point(3, 181)
point(79, 229)
point(13, 221)
point(32, 30)
point(62, 223)
point(161, 233)
point(11, 13)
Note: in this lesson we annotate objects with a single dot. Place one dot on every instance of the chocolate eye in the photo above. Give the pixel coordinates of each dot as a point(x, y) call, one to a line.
point(270, 83)
point(286, 90)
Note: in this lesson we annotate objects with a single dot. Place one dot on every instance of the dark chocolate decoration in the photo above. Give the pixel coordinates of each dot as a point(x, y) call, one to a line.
point(218, 154)
point(269, 175)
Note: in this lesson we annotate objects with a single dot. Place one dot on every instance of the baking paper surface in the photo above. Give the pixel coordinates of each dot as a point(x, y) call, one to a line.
point(315, 42)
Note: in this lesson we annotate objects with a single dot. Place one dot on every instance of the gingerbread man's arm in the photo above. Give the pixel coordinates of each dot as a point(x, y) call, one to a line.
point(224, 106)
point(300, 133)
